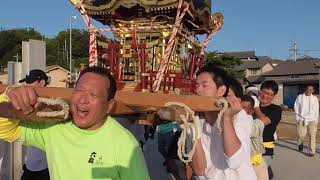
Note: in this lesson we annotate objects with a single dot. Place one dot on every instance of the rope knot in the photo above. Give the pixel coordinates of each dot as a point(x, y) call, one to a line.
point(184, 116)
point(63, 108)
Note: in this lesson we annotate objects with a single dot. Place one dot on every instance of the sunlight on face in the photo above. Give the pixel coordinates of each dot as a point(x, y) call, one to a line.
point(309, 90)
point(89, 104)
point(205, 86)
point(266, 96)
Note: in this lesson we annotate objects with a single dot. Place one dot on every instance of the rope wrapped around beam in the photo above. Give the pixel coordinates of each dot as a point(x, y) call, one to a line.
point(190, 124)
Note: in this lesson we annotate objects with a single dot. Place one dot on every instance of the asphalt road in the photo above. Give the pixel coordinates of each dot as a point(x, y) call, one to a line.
point(288, 162)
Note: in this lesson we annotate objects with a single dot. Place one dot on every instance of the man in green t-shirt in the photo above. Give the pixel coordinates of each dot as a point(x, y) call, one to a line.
point(92, 146)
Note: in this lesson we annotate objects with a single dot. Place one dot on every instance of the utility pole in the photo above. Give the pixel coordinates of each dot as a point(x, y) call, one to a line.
point(294, 50)
point(65, 49)
point(58, 53)
point(70, 53)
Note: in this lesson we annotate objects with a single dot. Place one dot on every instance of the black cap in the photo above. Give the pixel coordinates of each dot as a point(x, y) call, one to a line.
point(35, 75)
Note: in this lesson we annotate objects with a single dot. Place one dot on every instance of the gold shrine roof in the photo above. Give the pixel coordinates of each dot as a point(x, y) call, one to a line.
point(106, 11)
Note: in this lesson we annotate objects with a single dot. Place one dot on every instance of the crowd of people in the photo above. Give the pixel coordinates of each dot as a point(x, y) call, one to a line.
point(95, 146)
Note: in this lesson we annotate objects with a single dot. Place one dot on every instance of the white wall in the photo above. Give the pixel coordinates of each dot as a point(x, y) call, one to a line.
point(33, 56)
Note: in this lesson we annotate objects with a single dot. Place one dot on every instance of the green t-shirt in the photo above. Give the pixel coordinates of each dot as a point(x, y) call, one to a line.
point(110, 152)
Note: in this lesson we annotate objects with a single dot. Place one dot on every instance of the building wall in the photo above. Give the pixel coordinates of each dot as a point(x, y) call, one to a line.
point(249, 72)
point(33, 56)
point(266, 68)
point(278, 99)
point(57, 77)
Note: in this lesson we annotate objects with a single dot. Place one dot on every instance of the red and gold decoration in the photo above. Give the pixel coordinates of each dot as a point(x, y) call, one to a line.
point(155, 45)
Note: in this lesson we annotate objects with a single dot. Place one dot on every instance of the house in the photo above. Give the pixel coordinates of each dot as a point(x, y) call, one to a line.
point(57, 76)
point(253, 66)
point(293, 77)
point(254, 69)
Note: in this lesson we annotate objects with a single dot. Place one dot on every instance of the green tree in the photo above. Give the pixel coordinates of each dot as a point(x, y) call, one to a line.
point(57, 48)
point(80, 47)
point(226, 62)
point(10, 42)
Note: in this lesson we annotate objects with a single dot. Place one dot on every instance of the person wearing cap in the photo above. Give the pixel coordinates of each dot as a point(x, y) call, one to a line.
point(36, 166)
point(36, 77)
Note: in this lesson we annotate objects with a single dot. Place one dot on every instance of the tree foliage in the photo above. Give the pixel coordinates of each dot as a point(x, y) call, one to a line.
point(57, 48)
point(10, 42)
point(226, 62)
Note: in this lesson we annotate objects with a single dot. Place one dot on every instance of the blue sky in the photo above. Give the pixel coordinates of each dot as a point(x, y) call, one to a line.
point(269, 27)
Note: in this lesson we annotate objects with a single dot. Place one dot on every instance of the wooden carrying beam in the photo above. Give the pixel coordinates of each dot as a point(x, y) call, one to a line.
point(131, 102)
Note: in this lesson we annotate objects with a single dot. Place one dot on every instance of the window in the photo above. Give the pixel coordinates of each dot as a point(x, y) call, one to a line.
point(254, 71)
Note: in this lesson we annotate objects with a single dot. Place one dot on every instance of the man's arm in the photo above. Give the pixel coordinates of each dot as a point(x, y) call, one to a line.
point(316, 108)
point(231, 142)
point(242, 126)
point(198, 162)
point(12, 130)
point(296, 105)
point(296, 108)
point(21, 98)
point(266, 121)
point(236, 134)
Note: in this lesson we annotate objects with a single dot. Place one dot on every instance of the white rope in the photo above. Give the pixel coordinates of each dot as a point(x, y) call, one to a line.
point(191, 127)
point(50, 101)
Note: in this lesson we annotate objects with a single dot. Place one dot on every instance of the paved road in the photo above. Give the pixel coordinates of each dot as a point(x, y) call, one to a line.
point(154, 161)
point(287, 127)
point(288, 163)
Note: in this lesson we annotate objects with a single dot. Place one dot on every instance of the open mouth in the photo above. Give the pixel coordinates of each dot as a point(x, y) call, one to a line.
point(82, 112)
